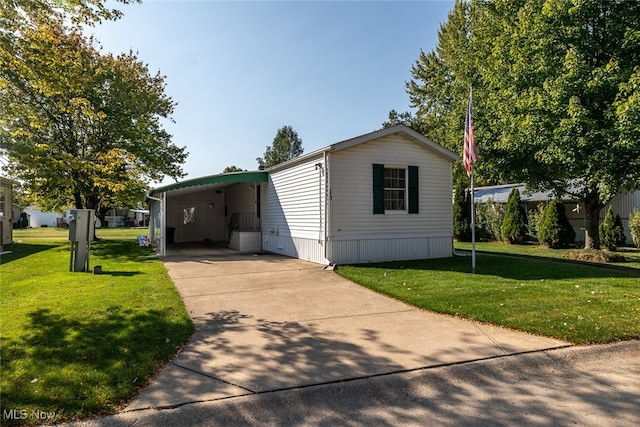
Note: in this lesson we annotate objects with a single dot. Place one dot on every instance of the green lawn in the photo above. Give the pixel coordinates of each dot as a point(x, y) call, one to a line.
point(631, 255)
point(78, 344)
point(571, 301)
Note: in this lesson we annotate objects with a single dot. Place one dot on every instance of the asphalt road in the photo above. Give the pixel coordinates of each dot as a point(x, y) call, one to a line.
point(585, 386)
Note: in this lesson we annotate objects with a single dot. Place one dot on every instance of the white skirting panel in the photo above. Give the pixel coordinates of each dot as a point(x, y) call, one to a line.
point(296, 247)
point(389, 249)
point(245, 241)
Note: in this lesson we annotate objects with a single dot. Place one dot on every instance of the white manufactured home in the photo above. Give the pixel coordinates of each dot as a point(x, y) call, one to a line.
point(6, 211)
point(382, 196)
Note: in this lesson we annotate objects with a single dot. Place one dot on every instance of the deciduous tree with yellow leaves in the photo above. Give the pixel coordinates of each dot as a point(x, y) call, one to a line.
point(79, 127)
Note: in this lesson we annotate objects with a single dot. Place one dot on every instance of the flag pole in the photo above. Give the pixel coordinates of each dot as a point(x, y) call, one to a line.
point(473, 228)
point(470, 156)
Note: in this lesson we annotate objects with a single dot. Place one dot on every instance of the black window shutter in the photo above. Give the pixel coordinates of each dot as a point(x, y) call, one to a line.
point(378, 189)
point(413, 189)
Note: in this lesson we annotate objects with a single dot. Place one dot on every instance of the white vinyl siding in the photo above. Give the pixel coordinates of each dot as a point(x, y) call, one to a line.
point(293, 214)
point(352, 198)
point(389, 249)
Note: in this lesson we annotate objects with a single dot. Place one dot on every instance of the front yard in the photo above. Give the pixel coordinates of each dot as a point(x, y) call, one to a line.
point(79, 344)
point(540, 294)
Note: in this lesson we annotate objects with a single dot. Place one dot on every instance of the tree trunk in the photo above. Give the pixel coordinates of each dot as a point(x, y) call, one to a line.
point(77, 198)
point(592, 217)
point(93, 202)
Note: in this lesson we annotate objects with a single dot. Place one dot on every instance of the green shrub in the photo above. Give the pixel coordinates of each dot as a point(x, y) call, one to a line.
point(567, 233)
point(548, 228)
point(618, 232)
point(513, 229)
point(554, 229)
point(611, 231)
point(489, 220)
point(634, 227)
point(533, 219)
point(462, 213)
point(605, 229)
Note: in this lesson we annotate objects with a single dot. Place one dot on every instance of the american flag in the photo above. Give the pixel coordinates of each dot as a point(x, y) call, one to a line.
point(470, 155)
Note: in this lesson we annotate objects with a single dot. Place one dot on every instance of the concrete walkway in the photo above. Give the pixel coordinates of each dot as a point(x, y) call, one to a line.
point(280, 341)
point(267, 323)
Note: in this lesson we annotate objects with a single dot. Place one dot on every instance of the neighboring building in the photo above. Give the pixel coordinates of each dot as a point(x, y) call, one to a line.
point(123, 217)
point(382, 196)
point(6, 211)
point(623, 204)
point(36, 218)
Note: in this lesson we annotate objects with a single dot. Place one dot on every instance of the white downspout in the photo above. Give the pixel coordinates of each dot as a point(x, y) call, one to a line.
point(327, 197)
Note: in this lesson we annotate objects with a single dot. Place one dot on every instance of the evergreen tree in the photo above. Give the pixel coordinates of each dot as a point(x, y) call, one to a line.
point(548, 228)
point(461, 213)
point(611, 231)
point(606, 231)
point(514, 225)
point(634, 227)
point(618, 232)
point(567, 233)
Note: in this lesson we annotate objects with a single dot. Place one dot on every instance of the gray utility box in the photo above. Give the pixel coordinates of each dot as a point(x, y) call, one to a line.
point(81, 230)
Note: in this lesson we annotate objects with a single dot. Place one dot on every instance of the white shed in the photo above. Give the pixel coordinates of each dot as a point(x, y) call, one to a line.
point(382, 196)
point(38, 218)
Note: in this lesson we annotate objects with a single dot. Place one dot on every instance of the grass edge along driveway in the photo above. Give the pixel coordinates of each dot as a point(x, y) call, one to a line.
point(582, 304)
point(77, 344)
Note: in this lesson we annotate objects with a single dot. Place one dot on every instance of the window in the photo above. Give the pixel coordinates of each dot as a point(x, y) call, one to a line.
point(3, 191)
point(395, 188)
point(189, 215)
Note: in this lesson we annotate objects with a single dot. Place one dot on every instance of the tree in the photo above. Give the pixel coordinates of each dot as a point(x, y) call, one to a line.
point(80, 127)
point(634, 227)
point(234, 168)
point(286, 146)
point(489, 217)
point(554, 229)
point(439, 88)
point(567, 233)
point(514, 225)
point(18, 15)
point(462, 213)
point(405, 118)
point(606, 231)
point(561, 113)
point(548, 228)
point(611, 231)
point(562, 104)
point(618, 232)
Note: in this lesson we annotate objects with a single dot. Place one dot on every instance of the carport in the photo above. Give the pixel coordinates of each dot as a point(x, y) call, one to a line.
point(219, 210)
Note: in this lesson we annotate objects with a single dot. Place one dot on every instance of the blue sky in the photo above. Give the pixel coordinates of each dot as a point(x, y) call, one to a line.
point(241, 70)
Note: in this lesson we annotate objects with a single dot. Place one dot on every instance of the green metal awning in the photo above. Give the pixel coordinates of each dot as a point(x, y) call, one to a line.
point(220, 179)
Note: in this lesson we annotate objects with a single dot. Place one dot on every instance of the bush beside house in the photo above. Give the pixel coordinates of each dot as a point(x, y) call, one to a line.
point(611, 231)
point(462, 213)
point(514, 225)
point(554, 229)
point(634, 227)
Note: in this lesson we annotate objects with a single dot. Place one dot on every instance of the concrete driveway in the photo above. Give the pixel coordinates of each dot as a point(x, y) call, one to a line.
point(266, 323)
